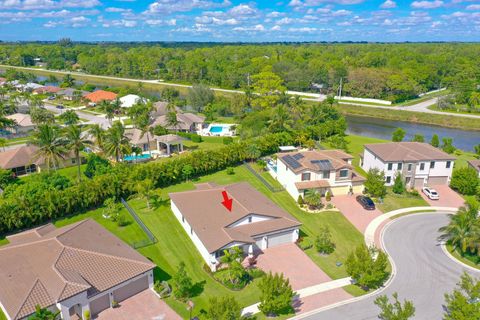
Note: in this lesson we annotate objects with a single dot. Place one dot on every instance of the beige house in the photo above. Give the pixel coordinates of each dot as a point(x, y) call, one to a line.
point(162, 145)
point(321, 170)
point(22, 160)
point(254, 222)
point(187, 122)
point(75, 269)
point(23, 122)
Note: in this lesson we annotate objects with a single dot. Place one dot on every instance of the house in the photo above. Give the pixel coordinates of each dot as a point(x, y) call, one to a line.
point(71, 94)
point(186, 122)
point(160, 145)
point(160, 108)
point(420, 164)
point(23, 122)
point(28, 87)
point(321, 170)
point(22, 160)
point(475, 164)
point(130, 100)
point(75, 269)
point(100, 95)
point(51, 90)
point(254, 223)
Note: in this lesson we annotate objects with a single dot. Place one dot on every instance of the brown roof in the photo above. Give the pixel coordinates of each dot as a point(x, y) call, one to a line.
point(100, 95)
point(161, 109)
point(22, 120)
point(315, 184)
point(475, 164)
point(407, 151)
point(18, 157)
point(309, 160)
point(212, 222)
point(48, 89)
point(185, 121)
point(45, 265)
point(135, 136)
point(169, 138)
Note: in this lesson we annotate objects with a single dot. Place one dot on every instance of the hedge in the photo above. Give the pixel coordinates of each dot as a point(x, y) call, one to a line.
point(20, 211)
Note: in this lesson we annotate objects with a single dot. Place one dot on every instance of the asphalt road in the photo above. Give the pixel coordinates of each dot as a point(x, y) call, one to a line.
point(91, 118)
point(424, 272)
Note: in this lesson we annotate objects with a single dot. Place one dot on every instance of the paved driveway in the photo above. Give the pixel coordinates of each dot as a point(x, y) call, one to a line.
point(143, 306)
point(448, 197)
point(354, 212)
point(424, 272)
point(294, 264)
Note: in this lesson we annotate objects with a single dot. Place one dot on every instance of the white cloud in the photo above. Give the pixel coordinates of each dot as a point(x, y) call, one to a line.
point(389, 4)
point(473, 7)
point(170, 6)
point(340, 13)
point(285, 20)
point(275, 14)
point(119, 23)
point(158, 22)
point(258, 27)
point(114, 9)
point(427, 4)
point(216, 21)
point(46, 4)
point(242, 10)
point(75, 22)
point(276, 28)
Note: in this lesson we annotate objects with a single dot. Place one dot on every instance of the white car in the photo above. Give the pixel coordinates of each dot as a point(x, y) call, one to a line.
point(432, 194)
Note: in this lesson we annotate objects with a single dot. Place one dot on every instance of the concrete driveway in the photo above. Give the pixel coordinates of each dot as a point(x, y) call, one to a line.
point(448, 197)
point(354, 212)
point(424, 272)
point(294, 264)
point(143, 306)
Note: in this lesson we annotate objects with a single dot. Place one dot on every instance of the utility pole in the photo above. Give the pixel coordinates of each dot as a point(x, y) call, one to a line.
point(340, 89)
point(248, 80)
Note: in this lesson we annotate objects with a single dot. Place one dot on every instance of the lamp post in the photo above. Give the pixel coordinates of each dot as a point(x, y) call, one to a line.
point(190, 306)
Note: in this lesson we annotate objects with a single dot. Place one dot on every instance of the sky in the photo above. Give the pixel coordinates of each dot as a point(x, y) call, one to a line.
point(245, 21)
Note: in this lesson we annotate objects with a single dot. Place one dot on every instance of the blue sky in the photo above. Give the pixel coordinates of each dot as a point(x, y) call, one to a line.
point(233, 20)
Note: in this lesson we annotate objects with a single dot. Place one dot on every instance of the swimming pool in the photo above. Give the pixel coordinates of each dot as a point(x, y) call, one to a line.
point(141, 157)
point(216, 129)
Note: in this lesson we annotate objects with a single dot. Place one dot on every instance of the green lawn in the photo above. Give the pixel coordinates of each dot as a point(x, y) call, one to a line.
point(175, 246)
point(473, 261)
point(2, 316)
point(462, 110)
point(394, 201)
point(208, 143)
point(3, 241)
point(69, 172)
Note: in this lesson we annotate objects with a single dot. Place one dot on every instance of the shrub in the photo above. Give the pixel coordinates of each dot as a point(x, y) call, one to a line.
point(122, 220)
point(182, 283)
point(364, 269)
point(465, 180)
point(313, 200)
point(227, 140)
point(300, 200)
point(328, 196)
point(414, 192)
point(447, 145)
point(398, 185)
point(96, 165)
point(196, 138)
point(230, 171)
point(375, 183)
point(323, 242)
point(256, 273)
point(225, 307)
point(304, 244)
point(275, 295)
point(329, 206)
point(86, 315)
point(398, 135)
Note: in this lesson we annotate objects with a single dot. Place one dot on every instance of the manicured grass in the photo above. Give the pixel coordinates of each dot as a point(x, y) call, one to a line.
point(394, 201)
point(472, 261)
point(69, 172)
point(355, 290)
point(3, 241)
point(454, 111)
point(463, 157)
point(363, 102)
point(208, 143)
point(423, 98)
point(2, 316)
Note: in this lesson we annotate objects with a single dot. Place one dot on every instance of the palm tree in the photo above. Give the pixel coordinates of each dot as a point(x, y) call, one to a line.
point(463, 231)
point(98, 134)
point(35, 100)
point(51, 145)
point(109, 110)
point(116, 143)
point(77, 142)
point(44, 314)
point(172, 120)
point(117, 106)
point(3, 143)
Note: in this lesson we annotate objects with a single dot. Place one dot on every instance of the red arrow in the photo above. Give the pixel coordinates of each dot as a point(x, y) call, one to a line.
point(227, 202)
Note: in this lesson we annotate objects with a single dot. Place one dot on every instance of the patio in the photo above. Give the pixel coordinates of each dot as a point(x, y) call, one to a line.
point(143, 306)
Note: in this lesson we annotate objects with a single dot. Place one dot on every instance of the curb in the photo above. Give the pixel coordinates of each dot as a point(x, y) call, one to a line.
point(449, 255)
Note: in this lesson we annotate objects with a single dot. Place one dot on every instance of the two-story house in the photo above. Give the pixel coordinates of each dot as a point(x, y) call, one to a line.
point(420, 164)
point(321, 170)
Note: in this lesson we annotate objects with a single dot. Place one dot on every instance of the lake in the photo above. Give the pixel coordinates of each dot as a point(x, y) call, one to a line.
point(383, 129)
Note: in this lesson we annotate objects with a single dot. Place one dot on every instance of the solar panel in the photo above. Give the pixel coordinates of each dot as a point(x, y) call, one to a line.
point(291, 162)
point(298, 156)
point(323, 164)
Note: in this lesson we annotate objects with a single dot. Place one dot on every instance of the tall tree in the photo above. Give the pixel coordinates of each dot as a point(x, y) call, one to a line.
point(50, 143)
point(435, 141)
point(115, 142)
point(395, 310)
point(398, 135)
point(77, 142)
point(463, 303)
point(276, 295)
point(98, 134)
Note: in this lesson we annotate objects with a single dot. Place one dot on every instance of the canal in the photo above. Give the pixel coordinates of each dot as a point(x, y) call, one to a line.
point(383, 129)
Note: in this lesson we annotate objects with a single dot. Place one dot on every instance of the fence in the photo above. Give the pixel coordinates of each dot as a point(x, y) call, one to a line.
point(262, 179)
point(151, 238)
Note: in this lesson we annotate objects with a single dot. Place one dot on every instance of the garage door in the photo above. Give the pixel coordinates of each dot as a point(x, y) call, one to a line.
point(435, 181)
point(131, 289)
point(279, 238)
point(99, 304)
point(419, 183)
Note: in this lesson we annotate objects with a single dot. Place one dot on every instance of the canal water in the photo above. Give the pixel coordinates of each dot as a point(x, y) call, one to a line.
point(383, 129)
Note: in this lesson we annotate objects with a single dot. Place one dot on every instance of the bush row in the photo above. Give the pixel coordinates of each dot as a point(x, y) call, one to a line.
point(22, 209)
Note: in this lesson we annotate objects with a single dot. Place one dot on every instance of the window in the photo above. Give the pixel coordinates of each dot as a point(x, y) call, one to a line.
point(343, 173)
point(432, 164)
point(390, 166)
point(306, 176)
point(183, 219)
point(449, 163)
point(409, 167)
point(326, 174)
point(191, 230)
point(399, 166)
point(389, 179)
point(249, 219)
point(422, 166)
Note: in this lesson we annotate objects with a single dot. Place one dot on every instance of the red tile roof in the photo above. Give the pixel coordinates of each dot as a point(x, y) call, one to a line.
point(100, 95)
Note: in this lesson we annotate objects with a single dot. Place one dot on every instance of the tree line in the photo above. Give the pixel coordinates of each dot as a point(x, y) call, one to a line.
point(387, 71)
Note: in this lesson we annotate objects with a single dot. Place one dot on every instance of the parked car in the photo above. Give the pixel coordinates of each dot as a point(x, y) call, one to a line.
point(432, 194)
point(366, 202)
point(60, 106)
point(51, 98)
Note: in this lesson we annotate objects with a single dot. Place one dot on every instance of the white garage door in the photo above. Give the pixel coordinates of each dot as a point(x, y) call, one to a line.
point(419, 182)
point(99, 304)
point(279, 238)
point(130, 289)
point(435, 181)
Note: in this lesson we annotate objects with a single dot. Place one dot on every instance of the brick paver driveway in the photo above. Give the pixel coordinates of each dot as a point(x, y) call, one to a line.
point(143, 306)
point(354, 212)
point(294, 264)
point(448, 197)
